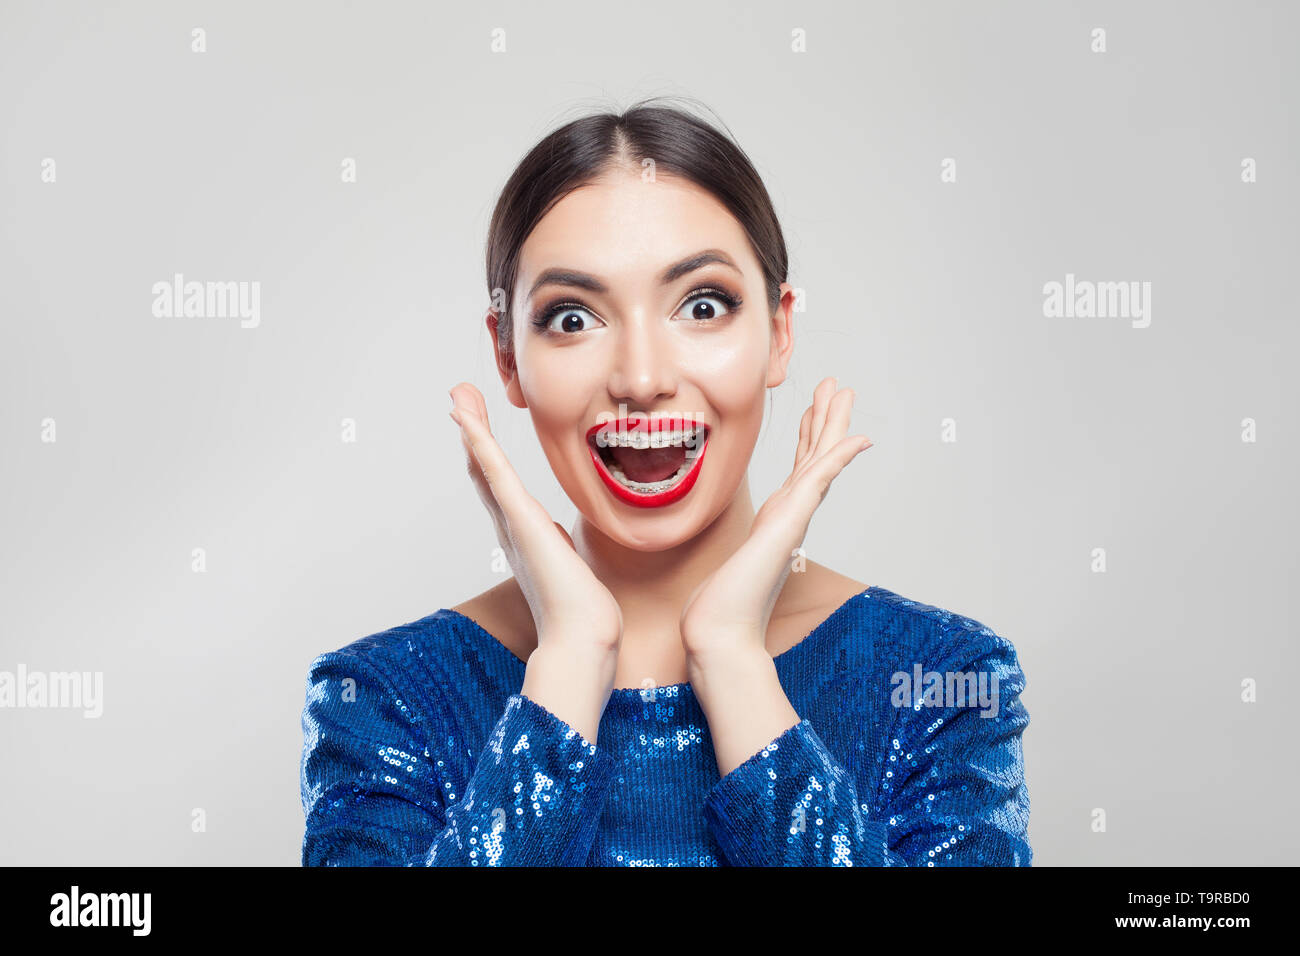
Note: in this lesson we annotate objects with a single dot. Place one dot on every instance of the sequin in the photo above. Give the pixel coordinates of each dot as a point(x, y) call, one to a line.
point(398, 724)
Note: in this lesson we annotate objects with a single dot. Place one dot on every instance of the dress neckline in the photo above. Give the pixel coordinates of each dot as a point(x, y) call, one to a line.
point(623, 693)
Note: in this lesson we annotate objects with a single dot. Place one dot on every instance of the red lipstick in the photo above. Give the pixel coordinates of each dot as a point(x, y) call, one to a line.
point(639, 429)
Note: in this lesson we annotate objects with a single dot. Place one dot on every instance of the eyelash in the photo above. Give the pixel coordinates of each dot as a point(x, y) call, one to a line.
point(543, 318)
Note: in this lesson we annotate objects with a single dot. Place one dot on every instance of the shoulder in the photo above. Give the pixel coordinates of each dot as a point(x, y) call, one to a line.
point(815, 589)
point(932, 633)
point(889, 624)
point(940, 735)
point(501, 609)
point(503, 613)
point(806, 602)
point(927, 657)
point(400, 660)
point(450, 661)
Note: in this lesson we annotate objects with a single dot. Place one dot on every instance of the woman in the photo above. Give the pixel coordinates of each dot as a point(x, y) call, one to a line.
point(659, 688)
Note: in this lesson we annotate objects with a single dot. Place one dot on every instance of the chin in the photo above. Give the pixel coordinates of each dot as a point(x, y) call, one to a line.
point(653, 533)
point(654, 529)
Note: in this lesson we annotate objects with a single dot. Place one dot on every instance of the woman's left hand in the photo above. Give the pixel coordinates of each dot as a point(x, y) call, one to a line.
point(726, 617)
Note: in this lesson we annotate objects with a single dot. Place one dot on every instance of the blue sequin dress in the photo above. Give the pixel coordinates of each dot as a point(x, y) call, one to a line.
point(419, 750)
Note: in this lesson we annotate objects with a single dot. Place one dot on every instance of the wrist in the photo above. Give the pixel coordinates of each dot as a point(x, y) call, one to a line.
point(574, 685)
point(570, 665)
point(581, 642)
point(717, 672)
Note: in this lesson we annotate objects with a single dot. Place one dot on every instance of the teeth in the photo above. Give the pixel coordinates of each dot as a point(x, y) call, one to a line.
point(651, 487)
point(613, 439)
point(654, 487)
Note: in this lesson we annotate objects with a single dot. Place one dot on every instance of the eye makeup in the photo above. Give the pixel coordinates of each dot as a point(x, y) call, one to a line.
point(545, 314)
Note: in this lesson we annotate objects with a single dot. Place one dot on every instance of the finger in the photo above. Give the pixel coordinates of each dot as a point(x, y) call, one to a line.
point(522, 525)
point(501, 479)
point(565, 534)
point(465, 395)
point(816, 481)
point(476, 474)
point(821, 399)
point(523, 522)
point(805, 434)
point(478, 403)
point(838, 413)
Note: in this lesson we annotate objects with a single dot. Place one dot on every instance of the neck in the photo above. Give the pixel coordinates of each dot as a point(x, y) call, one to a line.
point(652, 587)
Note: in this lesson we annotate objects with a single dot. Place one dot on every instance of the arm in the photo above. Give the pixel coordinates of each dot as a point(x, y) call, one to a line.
point(373, 793)
point(951, 790)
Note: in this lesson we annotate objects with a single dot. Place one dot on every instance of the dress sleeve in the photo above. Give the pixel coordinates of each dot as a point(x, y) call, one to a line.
point(947, 790)
point(373, 789)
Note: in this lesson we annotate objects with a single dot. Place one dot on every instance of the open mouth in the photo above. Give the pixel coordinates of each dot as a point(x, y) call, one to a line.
point(649, 462)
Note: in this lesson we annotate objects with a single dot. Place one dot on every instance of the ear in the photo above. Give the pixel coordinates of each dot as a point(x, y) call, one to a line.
point(505, 365)
point(782, 337)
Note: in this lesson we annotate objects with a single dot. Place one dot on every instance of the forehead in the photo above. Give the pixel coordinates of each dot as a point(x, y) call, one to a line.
point(627, 230)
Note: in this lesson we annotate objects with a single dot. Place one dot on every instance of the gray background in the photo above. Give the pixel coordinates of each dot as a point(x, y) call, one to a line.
point(925, 297)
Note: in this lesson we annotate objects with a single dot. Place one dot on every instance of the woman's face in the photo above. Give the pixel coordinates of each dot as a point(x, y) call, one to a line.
point(645, 350)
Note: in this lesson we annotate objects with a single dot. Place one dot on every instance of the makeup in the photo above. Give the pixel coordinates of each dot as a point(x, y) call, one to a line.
point(649, 462)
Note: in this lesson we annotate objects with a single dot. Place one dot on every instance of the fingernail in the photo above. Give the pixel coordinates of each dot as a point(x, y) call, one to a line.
point(455, 417)
point(866, 444)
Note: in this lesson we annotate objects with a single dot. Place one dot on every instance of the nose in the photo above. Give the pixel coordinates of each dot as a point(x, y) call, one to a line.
point(644, 368)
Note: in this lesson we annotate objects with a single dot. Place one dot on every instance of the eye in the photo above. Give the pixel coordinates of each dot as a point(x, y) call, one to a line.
point(571, 318)
point(705, 309)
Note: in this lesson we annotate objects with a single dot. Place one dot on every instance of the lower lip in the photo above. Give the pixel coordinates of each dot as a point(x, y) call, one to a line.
point(659, 499)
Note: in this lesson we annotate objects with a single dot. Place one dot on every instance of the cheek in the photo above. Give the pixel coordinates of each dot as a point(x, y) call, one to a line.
point(733, 374)
point(558, 391)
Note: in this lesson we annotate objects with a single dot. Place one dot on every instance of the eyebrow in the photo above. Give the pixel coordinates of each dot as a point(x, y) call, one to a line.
point(584, 280)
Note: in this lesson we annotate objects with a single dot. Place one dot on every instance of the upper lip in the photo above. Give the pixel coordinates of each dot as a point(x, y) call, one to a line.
point(658, 423)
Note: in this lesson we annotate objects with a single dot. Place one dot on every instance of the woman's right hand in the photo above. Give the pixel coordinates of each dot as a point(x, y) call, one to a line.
point(579, 623)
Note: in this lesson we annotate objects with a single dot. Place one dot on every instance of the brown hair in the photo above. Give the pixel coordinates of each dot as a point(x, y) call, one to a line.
point(580, 151)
